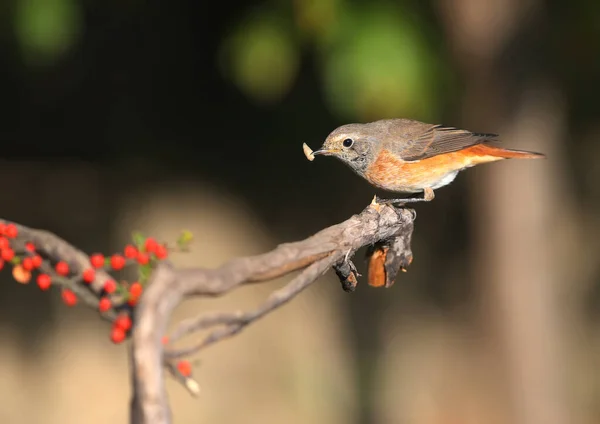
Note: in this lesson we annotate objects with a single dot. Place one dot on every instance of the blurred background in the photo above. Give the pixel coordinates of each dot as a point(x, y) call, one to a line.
point(158, 116)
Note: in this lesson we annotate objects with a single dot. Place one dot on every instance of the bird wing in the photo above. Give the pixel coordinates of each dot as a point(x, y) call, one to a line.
point(438, 139)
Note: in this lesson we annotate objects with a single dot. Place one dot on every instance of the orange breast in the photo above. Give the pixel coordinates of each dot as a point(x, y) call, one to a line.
point(391, 173)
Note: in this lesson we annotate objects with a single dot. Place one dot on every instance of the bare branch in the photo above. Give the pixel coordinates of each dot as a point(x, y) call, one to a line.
point(168, 287)
point(235, 322)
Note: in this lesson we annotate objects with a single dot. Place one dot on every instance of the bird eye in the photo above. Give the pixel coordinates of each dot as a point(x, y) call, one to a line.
point(348, 142)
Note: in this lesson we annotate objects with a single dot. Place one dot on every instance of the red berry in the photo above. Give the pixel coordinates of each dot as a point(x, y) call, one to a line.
point(30, 246)
point(27, 264)
point(62, 268)
point(44, 281)
point(123, 322)
point(1, 263)
point(4, 243)
point(97, 260)
point(20, 274)
point(150, 245)
point(130, 251)
point(36, 261)
point(8, 254)
point(104, 304)
point(110, 286)
point(117, 335)
point(143, 258)
point(161, 251)
point(89, 275)
point(135, 290)
point(133, 300)
point(2, 228)
point(11, 231)
point(69, 297)
point(184, 368)
point(117, 262)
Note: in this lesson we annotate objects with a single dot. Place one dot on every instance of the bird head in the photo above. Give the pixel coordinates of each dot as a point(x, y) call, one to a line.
point(353, 144)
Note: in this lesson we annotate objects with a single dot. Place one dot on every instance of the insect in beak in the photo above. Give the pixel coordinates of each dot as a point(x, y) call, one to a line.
point(310, 154)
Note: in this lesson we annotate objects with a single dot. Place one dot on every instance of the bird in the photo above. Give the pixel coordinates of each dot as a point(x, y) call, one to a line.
point(408, 156)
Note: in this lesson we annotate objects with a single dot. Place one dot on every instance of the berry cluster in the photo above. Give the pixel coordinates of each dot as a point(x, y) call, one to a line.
point(145, 255)
point(144, 252)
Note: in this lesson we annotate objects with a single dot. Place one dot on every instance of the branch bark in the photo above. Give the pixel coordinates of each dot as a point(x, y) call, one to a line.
point(331, 247)
point(382, 226)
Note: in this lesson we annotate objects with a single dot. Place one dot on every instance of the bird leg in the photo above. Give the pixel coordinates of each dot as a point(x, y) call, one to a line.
point(428, 196)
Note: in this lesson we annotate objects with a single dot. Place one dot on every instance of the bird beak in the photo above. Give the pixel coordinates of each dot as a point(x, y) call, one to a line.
point(324, 152)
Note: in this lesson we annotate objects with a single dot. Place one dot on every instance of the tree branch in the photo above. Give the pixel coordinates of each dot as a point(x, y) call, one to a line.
point(333, 246)
point(385, 229)
point(234, 322)
point(53, 248)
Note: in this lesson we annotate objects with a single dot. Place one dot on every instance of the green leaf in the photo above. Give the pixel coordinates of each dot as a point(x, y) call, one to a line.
point(144, 272)
point(138, 239)
point(121, 289)
point(185, 239)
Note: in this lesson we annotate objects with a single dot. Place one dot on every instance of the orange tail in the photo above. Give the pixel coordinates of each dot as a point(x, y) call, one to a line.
point(498, 152)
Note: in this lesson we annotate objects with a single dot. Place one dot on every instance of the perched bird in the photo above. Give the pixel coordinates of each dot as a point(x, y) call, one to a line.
point(406, 156)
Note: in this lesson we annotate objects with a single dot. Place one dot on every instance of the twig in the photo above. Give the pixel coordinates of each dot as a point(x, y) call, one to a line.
point(189, 383)
point(236, 321)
